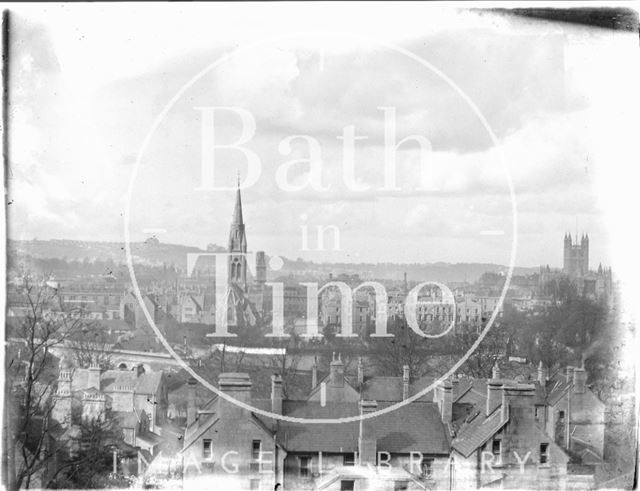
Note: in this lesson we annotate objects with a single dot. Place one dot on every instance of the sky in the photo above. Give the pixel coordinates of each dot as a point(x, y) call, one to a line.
point(89, 82)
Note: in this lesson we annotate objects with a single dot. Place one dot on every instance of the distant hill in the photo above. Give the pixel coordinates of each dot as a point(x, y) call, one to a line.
point(155, 253)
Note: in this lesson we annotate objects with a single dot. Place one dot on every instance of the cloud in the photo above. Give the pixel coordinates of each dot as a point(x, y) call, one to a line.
point(75, 149)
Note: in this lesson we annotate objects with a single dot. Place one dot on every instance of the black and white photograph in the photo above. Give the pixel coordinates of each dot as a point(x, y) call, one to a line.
point(337, 246)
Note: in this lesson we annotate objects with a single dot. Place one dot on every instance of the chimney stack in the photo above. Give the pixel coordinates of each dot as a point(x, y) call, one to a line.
point(314, 373)
point(495, 371)
point(518, 399)
point(569, 374)
point(276, 394)
point(62, 399)
point(579, 380)
point(336, 372)
point(542, 374)
point(446, 408)
point(405, 382)
point(191, 401)
point(93, 406)
point(235, 385)
point(94, 377)
point(360, 372)
point(367, 441)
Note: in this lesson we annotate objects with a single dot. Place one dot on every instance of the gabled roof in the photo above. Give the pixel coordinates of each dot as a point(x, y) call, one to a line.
point(474, 392)
point(413, 427)
point(349, 382)
point(117, 380)
point(148, 383)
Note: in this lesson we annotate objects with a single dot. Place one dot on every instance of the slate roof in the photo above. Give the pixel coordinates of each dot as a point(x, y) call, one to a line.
point(148, 383)
point(556, 388)
point(478, 430)
point(389, 389)
point(383, 389)
point(475, 393)
point(416, 426)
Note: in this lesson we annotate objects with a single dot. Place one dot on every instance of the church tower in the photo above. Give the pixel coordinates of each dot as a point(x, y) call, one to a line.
point(585, 254)
point(576, 256)
point(238, 245)
point(566, 265)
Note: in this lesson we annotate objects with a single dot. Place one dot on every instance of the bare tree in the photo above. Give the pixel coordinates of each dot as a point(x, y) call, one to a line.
point(85, 458)
point(493, 346)
point(390, 355)
point(30, 381)
point(91, 345)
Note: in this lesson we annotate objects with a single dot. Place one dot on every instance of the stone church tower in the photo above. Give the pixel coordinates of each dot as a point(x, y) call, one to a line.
point(576, 256)
point(238, 244)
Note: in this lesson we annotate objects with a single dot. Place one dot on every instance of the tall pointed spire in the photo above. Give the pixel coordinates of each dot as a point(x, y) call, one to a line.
point(237, 212)
point(238, 245)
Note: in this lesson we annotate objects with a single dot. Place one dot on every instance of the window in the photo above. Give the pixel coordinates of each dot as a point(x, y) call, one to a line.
point(256, 447)
point(254, 483)
point(206, 449)
point(544, 453)
point(426, 467)
point(496, 450)
point(304, 466)
point(349, 459)
point(347, 485)
point(561, 416)
point(539, 413)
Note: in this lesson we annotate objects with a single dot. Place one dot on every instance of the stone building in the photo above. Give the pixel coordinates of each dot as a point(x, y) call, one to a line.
point(576, 256)
point(463, 433)
point(138, 400)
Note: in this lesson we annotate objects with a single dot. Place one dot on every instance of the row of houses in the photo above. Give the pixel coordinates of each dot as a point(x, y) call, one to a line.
point(361, 432)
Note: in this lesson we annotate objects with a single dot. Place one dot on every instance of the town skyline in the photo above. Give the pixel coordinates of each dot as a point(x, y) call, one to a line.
point(545, 135)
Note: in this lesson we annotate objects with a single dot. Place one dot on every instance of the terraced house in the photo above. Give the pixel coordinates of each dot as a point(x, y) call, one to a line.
point(464, 433)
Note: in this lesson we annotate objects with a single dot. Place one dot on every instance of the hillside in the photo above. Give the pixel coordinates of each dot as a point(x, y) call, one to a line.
point(154, 253)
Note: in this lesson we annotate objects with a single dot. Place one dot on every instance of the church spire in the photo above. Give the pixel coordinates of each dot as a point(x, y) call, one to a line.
point(237, 212)
point(238, 245)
